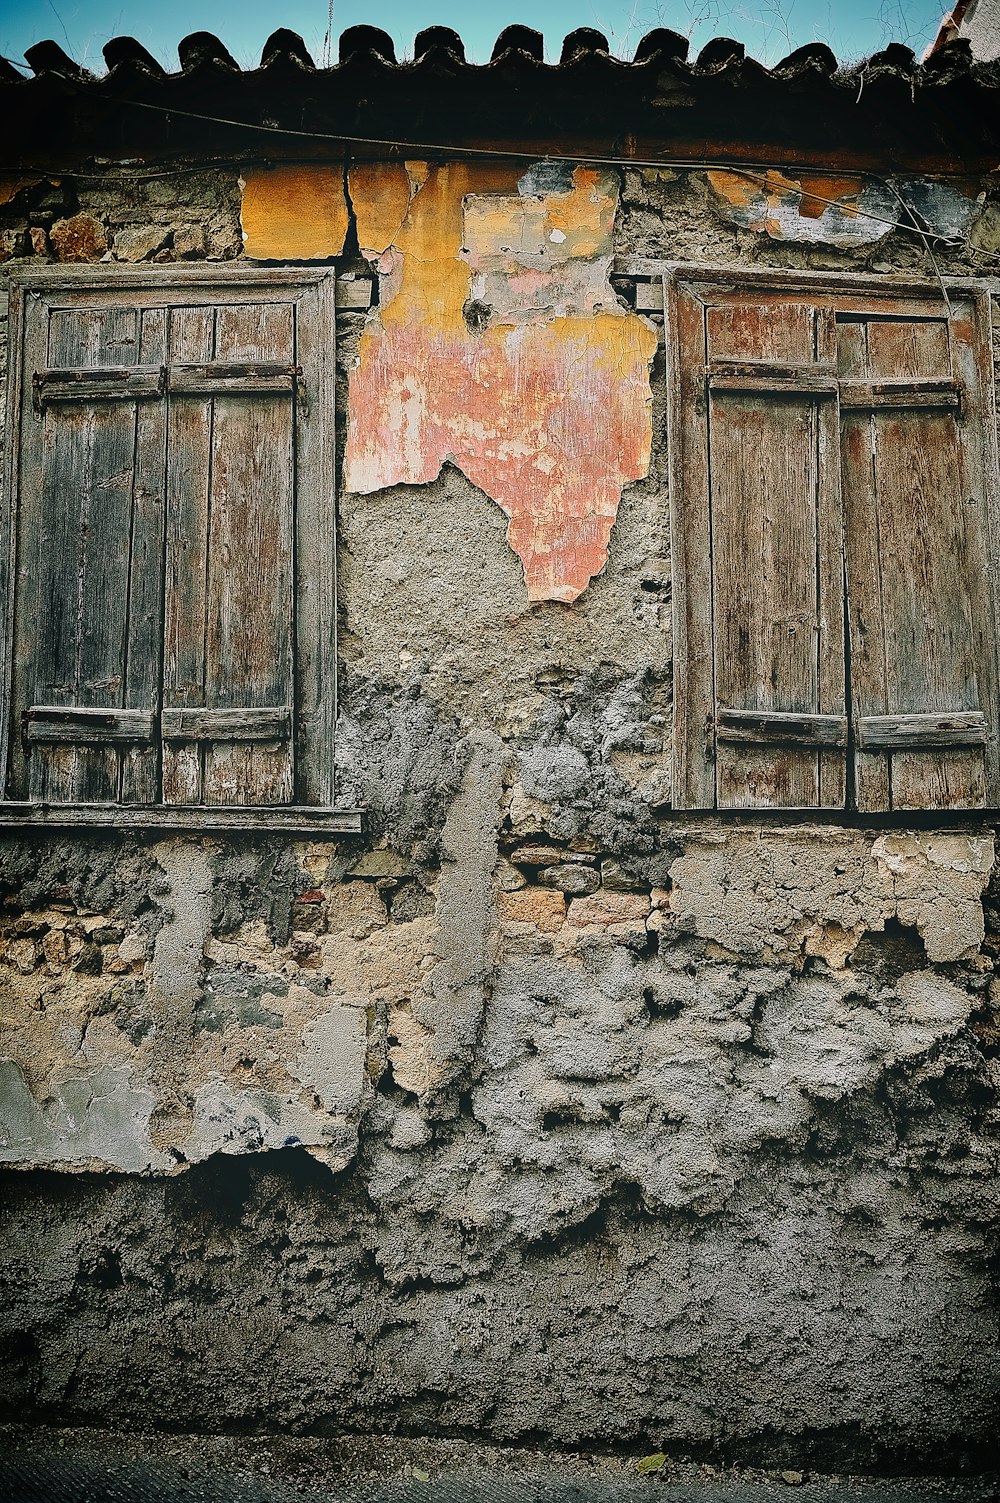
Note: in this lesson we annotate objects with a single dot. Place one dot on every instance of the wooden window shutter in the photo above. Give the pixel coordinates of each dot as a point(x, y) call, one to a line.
point(922, 628)
point(177, 544)
point(832, 458)
point(87, 662)
point(759, 660)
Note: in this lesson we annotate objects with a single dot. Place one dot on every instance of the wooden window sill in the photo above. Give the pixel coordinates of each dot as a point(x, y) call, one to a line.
point(285, 820)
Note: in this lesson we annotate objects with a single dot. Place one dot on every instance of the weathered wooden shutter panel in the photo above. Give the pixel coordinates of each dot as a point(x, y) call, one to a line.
point(228, 687)
point(89, 618)
point(776, 563)
point(922, 628)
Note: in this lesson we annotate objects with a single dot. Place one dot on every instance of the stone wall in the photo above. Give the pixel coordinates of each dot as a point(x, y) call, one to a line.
point(536, 1111)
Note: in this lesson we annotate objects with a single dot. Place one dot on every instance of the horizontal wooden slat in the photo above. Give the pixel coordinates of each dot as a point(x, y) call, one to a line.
point(98, 384)
point(915, 391)
point(244, 378)
point(779, 378)
point(270, 723)
point(791, 388)
point(78, 727)
point(778, 728)
point(289, 820)
point(890, 732)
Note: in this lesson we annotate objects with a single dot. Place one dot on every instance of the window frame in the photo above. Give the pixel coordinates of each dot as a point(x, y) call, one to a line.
point(314, 667)
point(693, 771)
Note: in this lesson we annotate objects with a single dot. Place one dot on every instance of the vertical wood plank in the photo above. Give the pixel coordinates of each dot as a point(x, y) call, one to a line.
point(690, 510)
point(28, 318)
point(970, 333)
point(82, 557)
point(928, 563)
point(140, 771)
point(189, 478)
point(249, 616)
point(864, 578)
point(768, 598)
point(315, 546)
point(831, 646)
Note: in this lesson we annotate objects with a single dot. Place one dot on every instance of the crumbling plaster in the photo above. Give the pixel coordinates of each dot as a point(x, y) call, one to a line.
point(534, 1110)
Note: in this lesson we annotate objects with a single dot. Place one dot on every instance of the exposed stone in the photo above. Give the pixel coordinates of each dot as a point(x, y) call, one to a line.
point(223, 241)
point(616, 879)
point(188, 241)
point(570, 878)
point(380, 863)
point(536, 855)
point(79, 238)
point(509, 879)
point(138, 242)
point(610, 909)
point(540, 907)
point(357, 909)
point(39, 241)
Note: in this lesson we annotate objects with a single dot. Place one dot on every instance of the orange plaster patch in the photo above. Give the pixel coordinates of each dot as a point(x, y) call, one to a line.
point(838, 189)
point(10, 187)
point(771, 202)
point(294, 213)
point(542, 398)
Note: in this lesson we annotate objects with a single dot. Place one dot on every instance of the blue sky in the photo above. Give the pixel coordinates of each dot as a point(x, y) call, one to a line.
point(768, 28)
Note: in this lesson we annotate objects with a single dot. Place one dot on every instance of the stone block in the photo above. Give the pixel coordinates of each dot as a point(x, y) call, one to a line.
point(607, 909)
point(542, 907)
point(137, 242)
point(570, 877)
point(189, 241)
point(79, 238)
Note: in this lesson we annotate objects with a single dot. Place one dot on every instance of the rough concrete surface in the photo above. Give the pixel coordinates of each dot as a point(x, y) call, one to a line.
point(536, 1113)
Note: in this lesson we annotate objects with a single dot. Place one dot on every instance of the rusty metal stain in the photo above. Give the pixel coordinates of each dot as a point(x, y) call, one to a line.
point(499, 344)
point(294, 213)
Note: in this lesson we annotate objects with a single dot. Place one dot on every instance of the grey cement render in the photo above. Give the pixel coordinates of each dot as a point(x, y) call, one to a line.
point(535, 1112)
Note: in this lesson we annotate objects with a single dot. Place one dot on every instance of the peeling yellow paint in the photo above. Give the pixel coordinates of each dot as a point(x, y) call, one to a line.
point(294, 213)
point(499, 344)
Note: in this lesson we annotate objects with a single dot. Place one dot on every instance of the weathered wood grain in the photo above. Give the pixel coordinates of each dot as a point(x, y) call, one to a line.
point(690, 545)
point(770, 598)
point(80, 727)
point(899, 732)
point(188, 487)
point(289, 820)
point(224, 528)
point(249, 617)
point(83, 545)
point(87, 384)
point(906, 498)
point(267, 723)
point(776, 728)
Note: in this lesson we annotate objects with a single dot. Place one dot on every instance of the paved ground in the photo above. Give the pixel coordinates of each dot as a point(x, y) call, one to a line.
point(90, 1466)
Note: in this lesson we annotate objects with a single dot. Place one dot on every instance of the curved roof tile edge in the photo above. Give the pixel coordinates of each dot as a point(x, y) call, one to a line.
point(718, 58)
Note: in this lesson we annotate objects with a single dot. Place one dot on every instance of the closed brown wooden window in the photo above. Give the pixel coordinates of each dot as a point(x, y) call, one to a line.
point(170, 590)
point(833, 520)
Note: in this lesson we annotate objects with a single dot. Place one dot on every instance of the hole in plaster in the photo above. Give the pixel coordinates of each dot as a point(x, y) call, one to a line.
point(476, 315)
point(890, 953)
point(660, 1007)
